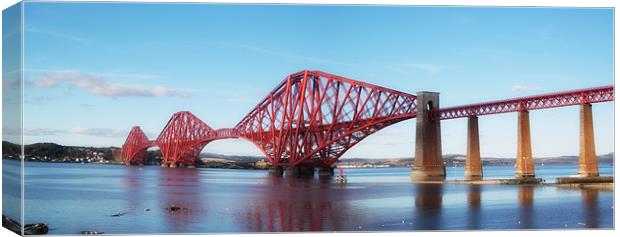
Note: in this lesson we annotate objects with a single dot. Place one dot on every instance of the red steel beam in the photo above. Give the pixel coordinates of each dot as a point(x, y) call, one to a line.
point(552, 100)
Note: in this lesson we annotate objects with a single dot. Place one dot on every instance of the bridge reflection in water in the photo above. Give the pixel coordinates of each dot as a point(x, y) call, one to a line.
point(182, 183)
point(220, 201)
point(590, 207)
point(300, 205)
point(474, 205)
point(526, 207)
point(428, 200)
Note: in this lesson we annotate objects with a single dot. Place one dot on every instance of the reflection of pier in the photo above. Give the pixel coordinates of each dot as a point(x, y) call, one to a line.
point(473, 203)
point(428, 201)
point(526, 210)
point(590, 207)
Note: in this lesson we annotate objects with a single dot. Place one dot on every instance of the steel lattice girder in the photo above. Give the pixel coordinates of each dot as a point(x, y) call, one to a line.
point(568, 98)
point(135, 146)
point(314, 117)
point(183, 138)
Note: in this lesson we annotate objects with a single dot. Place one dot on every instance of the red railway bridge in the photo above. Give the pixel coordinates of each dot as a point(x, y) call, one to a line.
point(312, 118)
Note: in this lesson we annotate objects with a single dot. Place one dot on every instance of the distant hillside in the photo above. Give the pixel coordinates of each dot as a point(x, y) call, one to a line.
point(455, 159)
point(53, 151)
point(39, 151)
point(235, 158)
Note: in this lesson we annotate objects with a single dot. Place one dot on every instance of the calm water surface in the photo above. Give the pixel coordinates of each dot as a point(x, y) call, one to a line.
point(77, 197)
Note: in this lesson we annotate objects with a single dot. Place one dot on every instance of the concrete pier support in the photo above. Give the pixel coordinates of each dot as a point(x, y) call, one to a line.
point(524, 161)
point(164, 165)
point(588, 165)
point(300, 171)
point(305, 171)
point(473, 164)
point(173, 165)
point(325, 172)
point(428, 163)
point(291, 171)
point(276, 171)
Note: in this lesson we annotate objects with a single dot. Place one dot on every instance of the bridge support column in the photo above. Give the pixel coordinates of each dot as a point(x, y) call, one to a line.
point(524, 160)
point(473, 164)
point(276, 171)
point(291, 171)
point(164, 164)
point(300, 171)
point(173, 165)
point(588, 165)
point(428, 163)
point(325, 172)
point(306, 171)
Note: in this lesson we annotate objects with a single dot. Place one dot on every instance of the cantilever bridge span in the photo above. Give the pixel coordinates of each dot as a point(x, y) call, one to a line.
point(312, 118)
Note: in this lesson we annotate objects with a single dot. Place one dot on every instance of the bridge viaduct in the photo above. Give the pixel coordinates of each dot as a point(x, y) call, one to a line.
point(311, 118)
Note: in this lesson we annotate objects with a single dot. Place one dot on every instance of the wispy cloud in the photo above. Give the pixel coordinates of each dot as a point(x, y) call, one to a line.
point(278, 53)
point(56, 34)
point(430, 69)
point(519, 88)
point(97, 132)
point(416, 68)
point(98, 85)
point(119, 75)
point(235, 97)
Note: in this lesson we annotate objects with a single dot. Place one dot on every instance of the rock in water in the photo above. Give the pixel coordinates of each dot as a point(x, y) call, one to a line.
point(35, 229)
point(29, 229)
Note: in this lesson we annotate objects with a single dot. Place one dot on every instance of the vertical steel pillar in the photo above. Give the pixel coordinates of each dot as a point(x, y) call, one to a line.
point(428, 163)
point(473, 164)
point(588, 165)
point(524, 161)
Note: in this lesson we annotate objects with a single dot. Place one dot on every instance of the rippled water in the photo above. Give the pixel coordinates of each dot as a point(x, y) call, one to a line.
point(78, 197)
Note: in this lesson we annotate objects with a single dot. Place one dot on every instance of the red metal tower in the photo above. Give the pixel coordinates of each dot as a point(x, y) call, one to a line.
point(183, 138)
point(135, 146)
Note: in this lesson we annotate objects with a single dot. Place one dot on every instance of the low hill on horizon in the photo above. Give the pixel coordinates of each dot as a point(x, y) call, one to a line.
point(10, 150)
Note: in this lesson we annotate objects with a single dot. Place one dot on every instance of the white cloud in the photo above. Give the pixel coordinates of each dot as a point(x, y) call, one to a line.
point(97, 132)
point(524, 88)
point(97, 85)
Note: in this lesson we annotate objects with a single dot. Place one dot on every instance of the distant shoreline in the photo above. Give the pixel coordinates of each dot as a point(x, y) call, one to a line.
point(256, 168)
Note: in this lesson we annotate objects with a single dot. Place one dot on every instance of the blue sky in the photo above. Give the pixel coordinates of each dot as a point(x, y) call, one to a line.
point(95, 70)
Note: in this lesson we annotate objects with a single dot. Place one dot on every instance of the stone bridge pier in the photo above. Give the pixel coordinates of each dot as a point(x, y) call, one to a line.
point(428, 163)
